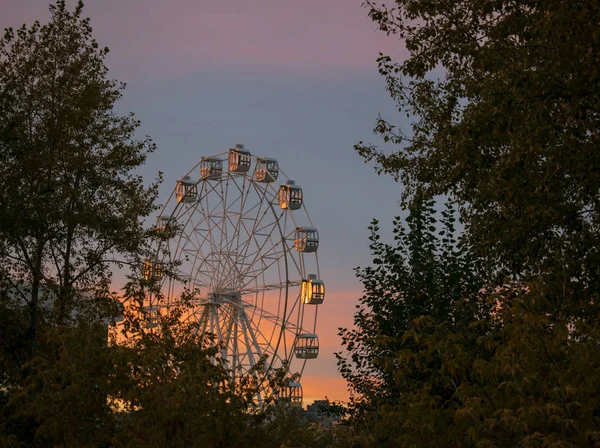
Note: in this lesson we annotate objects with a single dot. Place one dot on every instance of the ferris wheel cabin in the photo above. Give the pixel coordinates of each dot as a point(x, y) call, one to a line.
point(307, 239)
point(211, 168)
point(186, 190)
point(151, 316)
point(307, 346)
point(162, 222)
point(153, 270)
point(313, 290)
point(267, 170)
point(290, 196)
point(292, 393)
point(239, 159)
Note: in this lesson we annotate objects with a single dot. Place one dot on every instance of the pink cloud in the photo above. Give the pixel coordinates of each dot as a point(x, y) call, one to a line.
point(307, 38)
point(157, 39)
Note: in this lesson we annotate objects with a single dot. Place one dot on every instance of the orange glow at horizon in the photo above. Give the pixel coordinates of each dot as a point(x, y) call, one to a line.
point(321, 378)
point(334, 388)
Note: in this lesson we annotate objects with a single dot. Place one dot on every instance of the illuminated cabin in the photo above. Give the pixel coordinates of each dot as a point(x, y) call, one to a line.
point(153, 270)
point(313, 290)
point(162, 222)
point(211, 168)
point(151, 316)
point(290, 196)
point(292, 393)
point(307, 346)
point(239, 159)
point(267, 170)
point(307, 239)
point(186, 190)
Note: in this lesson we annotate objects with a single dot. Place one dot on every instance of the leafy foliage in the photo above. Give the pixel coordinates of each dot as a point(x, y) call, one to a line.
point(434, 359)
point(503, 98)
point(504, 101)
point(70, 199)
point(426, 274)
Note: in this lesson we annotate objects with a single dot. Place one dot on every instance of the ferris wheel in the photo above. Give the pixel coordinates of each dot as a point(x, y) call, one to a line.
point(246, 250)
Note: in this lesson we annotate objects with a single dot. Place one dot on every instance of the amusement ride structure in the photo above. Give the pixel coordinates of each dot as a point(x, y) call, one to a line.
point(244, 245)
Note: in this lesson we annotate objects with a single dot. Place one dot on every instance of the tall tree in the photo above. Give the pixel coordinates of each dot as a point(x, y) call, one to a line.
point(71, 202)
point(435, 359)
point(504, 101)
point(425, 274)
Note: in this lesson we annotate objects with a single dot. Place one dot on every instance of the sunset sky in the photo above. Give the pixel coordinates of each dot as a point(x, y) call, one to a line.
point(294, 80)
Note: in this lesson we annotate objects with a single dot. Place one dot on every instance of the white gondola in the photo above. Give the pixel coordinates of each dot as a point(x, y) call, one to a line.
point(153, 270)
point(290, 196)
point(211, 168)
point(151, 316)
point(307, 346)
point(292, 393)
point(307, 239)
point(239, 159)
point(267, 170)
point(186, 190)
point(313, 290)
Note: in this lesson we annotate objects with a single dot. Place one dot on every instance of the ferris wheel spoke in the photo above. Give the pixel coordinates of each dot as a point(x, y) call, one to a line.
point(259, 272)
point(247, 332)
point(268, 349)
point(251, 335)
point(249, 231)
point(274, 319)
point(229, 327)
point(235, 355)
point(258, 221)
point(269, 254)
point(206, 211)
point(233, 255)
point(191, 250)
point(202, 321)
point(206, 259)
point(248, 343)
point(235, 239)
point(270, 287)
point(261, 253)
point(222, 229)
point(189, 212)
point(218, 316)
point(290, 237)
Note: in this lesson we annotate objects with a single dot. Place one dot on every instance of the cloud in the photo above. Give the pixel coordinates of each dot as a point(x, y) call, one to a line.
point(308, 38)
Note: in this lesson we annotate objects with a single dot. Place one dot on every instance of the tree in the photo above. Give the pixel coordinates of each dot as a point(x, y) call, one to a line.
point(151, 388)
point(71, 203)
point(434, 359)
point(426, 276)
point(504, 101)
point(71, 208)
point(503, 98)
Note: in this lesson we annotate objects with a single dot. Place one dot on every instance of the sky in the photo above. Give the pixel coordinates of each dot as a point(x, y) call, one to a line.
point(294, 80)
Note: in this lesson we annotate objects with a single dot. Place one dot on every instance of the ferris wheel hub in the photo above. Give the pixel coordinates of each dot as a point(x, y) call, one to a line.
point(221, 297)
